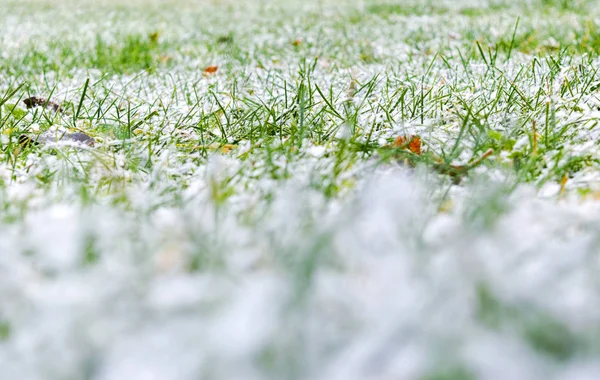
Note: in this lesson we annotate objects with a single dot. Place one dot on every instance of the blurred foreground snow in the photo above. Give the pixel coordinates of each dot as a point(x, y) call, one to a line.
point(380, 286)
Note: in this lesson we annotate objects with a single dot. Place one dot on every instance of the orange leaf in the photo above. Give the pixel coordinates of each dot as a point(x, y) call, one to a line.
point(211, 69)
point(415, 144)
point(399, 141)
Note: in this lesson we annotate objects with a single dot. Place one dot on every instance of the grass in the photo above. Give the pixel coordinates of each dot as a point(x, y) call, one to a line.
point(264, 219)
point(129, 54)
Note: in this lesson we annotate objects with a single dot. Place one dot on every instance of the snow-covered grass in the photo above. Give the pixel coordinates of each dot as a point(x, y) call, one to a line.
point(257, 222)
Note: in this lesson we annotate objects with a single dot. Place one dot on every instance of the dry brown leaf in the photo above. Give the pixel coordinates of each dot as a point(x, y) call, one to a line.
point(41, 102)
point(211, 69)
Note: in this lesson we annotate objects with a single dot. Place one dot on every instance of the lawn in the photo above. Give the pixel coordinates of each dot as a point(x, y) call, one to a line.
point(286, 189)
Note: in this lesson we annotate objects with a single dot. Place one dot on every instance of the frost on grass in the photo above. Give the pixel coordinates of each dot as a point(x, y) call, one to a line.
point(251, 223)
point(380, 286)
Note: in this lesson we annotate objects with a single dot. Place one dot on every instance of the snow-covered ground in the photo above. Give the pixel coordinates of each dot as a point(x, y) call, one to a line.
point(249, 223)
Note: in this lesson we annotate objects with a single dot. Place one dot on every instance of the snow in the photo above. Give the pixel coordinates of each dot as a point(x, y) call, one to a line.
point(142, 258)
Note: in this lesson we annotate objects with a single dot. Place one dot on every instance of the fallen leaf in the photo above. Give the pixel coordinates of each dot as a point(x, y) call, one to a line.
point(211, 69)
point(414, 145)
point(41, 102)
point(409, 152)
point(48, 138)
point(399, 142)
